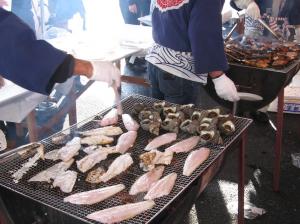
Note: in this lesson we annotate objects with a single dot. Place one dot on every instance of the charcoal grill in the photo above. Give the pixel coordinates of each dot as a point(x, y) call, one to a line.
point(54, 198)
point(265, 82)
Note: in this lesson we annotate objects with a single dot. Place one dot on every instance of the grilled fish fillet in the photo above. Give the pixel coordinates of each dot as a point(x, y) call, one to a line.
point(126, 141)
point(194, 160)
point(108, 131)
point(94, 196)
point(65, 181)
point(129, 123)
point(161, 140)
point(91, 160)
point(51, 172)
point(97, 140)
point(69, 150)
point(121, 212)
point(119, 165)
point(52, 155)
point(144, 182)
point(185, 145)
point(110, 118)
point(162, 187)
point(148, 160)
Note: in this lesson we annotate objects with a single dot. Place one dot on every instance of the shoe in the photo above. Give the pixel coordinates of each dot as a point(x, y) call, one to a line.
point(261, 117)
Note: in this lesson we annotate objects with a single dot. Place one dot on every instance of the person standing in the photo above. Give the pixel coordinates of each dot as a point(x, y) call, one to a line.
point(188, 48)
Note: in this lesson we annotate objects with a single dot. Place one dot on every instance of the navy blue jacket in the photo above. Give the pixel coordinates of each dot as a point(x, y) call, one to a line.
point(30, 63)
point(196, 27)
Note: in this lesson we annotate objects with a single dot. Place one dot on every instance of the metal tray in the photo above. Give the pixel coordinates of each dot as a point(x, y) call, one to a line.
point(43, 193)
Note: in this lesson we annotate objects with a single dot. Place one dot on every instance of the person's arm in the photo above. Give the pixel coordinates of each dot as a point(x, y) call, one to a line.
point(205, 34)
point(251, 7)
point(36, 65)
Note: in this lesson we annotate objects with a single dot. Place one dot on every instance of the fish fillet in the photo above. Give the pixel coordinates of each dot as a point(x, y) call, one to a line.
point(121, 212)
point(126, 141)
point(162, 187)
point(94, 196)
point(91, 160)
point(144, 182)
point(194, 160)
point(129, 123)
point(94, 176)
point(65, 181)
point(51, 172)
point(97, 140)
point(108, 131)
point(185, 145)
point(161, 140)
point(52, 155)
point(90, 149)
point(110, 118)
point(148, 160)
point(119, 165)
point(69, 150)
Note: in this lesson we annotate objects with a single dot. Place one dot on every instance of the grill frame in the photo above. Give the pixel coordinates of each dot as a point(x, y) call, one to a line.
point(53, 197)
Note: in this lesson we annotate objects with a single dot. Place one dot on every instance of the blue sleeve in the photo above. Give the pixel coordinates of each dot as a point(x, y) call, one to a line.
point(205, 34)
point(24, 60)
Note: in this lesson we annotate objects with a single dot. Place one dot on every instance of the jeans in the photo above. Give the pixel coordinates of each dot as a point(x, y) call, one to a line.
point(171, 88)
point(143, 8)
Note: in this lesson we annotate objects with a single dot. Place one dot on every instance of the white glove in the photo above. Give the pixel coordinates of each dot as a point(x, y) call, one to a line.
point(253, 10)
point(106, 72)
point(225, 88)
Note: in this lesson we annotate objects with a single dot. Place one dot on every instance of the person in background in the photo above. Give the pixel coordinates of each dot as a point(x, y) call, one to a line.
point(132, 10)
point(23, 9)
point(188, 48)
point(36, 65)
point(283, 17)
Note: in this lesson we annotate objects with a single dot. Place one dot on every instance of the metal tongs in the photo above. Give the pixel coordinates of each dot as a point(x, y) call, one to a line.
point(270, 30)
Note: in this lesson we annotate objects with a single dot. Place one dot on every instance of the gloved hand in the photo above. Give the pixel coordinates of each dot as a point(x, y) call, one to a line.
point(253, 10)
point(106, 72)
point(225, 88)
point(251, 7)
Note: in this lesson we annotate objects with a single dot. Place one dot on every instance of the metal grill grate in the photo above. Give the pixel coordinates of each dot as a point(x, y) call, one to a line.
point(52, 197)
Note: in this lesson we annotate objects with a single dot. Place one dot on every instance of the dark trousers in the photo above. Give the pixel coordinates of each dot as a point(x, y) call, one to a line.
point(171, 88)
point(143, 9)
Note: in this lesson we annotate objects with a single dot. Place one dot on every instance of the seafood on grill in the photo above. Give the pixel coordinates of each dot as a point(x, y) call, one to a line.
point(70, 150)
point(27, 150)
point(107, 131)
point(126, 141)
point(169, 109)
point(211, 136)
point(32, 162)
point(194, 160)
point(52, 155)
point(94, 196)
point(89, 161)
point(137, 108)
point(161, 140)
point(129, 123)
point(119, 165)
point(226, 125)
point(187, 109)
point(122, 212)
point(59, 139)
point(162, 187)
point(190, 126)
point(65, 181)
point(97, 140)
point(110, 118)
point(144, 182)
point(185, 145)
point(52, 172)
point(172, 122)
point(94, 176)
point(90, 149)
point(148, 160)
point(152, 126)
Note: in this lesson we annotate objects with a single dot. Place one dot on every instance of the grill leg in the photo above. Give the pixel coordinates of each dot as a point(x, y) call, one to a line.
point(241, 179)
point(278, 144)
